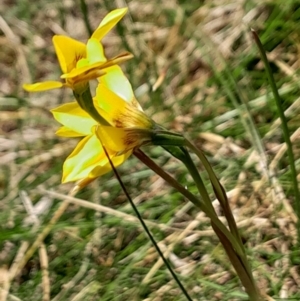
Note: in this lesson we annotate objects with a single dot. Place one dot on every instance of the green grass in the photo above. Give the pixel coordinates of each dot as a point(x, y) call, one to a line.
point(215, 91)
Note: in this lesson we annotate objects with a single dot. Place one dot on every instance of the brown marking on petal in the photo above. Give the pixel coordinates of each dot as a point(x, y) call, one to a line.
point(131, 138)
point(78, 56)
point(130, 141)
point(118, 122)
point(74, 63)
point(132, 118)
point(136, 138)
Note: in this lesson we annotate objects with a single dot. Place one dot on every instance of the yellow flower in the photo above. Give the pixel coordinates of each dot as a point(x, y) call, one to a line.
point(81, 62)
point(128, 127)
point(88, 160)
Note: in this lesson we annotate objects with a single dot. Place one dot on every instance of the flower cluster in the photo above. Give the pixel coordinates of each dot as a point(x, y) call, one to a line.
point(111, 119)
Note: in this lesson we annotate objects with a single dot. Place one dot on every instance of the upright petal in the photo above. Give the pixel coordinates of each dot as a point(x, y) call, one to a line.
point(68, 51)
point(116, 81)
point(109, 21)
point(95, 51)
point(74, 118)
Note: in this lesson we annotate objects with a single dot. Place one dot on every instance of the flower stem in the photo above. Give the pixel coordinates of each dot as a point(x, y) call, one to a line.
point(175, 144)
point(191, 197)
point(84, 99)
point(219, 191)
point(238, 256)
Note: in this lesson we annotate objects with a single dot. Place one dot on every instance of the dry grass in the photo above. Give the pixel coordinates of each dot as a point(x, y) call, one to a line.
point(197, 71)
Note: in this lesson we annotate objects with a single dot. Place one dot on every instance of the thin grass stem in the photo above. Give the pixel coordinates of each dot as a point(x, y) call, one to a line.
point(285, 129)
point(85, 13)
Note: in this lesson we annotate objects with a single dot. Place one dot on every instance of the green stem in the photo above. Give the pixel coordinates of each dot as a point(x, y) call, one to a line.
point(236, 256)
point(240, 262)
point(219, 191)
point(285, 129)
point(187, 160)
point(168, 140)
point(175, 144)
point(84, 99)
point(197, 202)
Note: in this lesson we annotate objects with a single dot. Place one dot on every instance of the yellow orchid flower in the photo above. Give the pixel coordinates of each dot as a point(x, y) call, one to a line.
point(81, 62)
point(127, 127)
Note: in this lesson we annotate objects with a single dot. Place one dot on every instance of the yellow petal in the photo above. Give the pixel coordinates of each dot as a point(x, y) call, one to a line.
point(95, 51)
point(121, 140)
point(109, 105)
point(68, 51)
point(66, 132)
point(109, 21)
point(101, 170)
point(74, 118)
point(116, 81)
point(43, 86)
point(118, 112)
point(112, 138)
point(87, 155)
point(82, 63)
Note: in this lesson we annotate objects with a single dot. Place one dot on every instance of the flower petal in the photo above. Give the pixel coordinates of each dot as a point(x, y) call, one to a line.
point(112, 138)
point(74, 118)
point(101, 170)
point(122, 140)
point(109, 105)
point(66, 132)
point(38, 87)
point(95, 51)
point(87, 155)
point(68, 51)
point(116, 81)
point(109, 21)
point(117, 112)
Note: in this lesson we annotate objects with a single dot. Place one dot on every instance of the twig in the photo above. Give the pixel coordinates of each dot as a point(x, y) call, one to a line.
point(45, 273)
